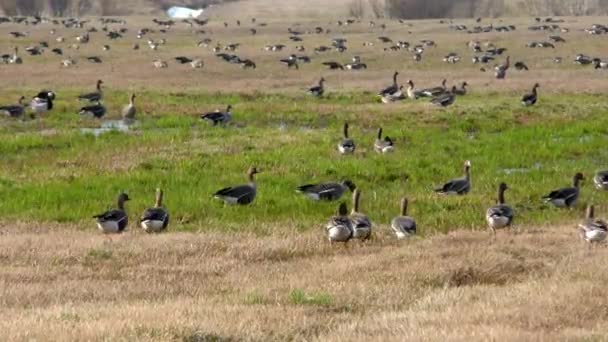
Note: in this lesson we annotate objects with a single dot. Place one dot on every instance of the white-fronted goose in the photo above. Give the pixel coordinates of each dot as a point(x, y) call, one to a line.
point(383, 145)
point(566, 197)
point(444, 99)
point(94, 96)
point(339, 228)
point(601, 180)
point(393, 88)
point(404, 226)
point(326, 191)
point(218, 117)
point(593, 230)
point(362, 226)
point(155, 219)
point(529, 99)
point(129, 111)
point(460, 91)
point(435, 91)
point(116, 220)
point(319, 89)
point(240, 194)
point(411, 92)
point(499, 215)
point(458, 186)
point(14, 110)
point(347, 145)
point(500, 71)
point(393, 97)
point(97, 110)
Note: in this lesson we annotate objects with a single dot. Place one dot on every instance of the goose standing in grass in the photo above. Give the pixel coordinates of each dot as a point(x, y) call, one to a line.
point(129, 111)
point(326, 191)
point(393, 97)
point(347, 145)
point(240, 194)
point(116, 220)
point(460, 91)
point(14, 111)
point(319, 89)
point(566, 197)
point(155, 219)
point(444, 100)
point(15, 59)
point(339, 228)
point(593, 230)
point(218, 117)
point(95, 96)
point(383, 145)
point(393, 88)
point(500, 215)
point(435, 91)
point(403, 225)
point(411, 92)
point(94, 111)
point(500, 71)
point(529, 99)
point(43, 102)
point(601, 180)
point(458, 186)
point(362, 226)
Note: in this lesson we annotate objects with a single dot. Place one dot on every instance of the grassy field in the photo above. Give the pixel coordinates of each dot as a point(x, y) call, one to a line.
point(265, 272)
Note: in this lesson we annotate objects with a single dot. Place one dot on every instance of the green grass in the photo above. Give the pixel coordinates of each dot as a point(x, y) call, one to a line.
point(52, 172)
point(299, 297)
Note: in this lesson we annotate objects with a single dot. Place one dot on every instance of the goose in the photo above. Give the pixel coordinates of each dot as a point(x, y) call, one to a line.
point(362, 226)
point(15, 59)
point(444, 99)
point(326, 191)
point(411, 92)
point(601, 180)
point(393, 97)
point(318, 90)
point(14, 110)
point(593, 230)
point(347, 145)
point(436, 91)
point(106, 48)
point(129, 111)
point(42, 103)
point(383, 145)
point(499, 215)
point(460, 91)
point(291, 62)
point(599, 64)
point(404, 226)
point(566, 197)
point(197, 64)
point(500, 71)
point(155, 219)
point(459, 186)
point(94, 96)
point(392, 88)
point(94, 59)
point(247, 64)
point(417, 57)
point(116, 220)
point(520, 66)
point(529, 99)
point(183, 60)
point(339, 228)
point(57, 51)
point(160, 64)
point(356, 66)
point(68, 62)
point(97, 110)
point(240, 194)
point(333, 65)
point(583, 59)
point(218, 117)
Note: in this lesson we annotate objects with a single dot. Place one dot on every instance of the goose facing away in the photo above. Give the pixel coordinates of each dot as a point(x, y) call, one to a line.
point(326, 191)
point(347, 145)
point(459, 186)
point(319, 89)
point(97, 110)
point(566, 197)
point(240, 194)
point(530, 99)
point(339, 228)
point(155, 219)
point(218, 117)
point(14, 110)
point(601, 180)
point(129, 111)
point(362, 226)
point(383, 145)
point(499, 215)
point(403, 225)
point(115, 220)
point(94, 96)
point(593, 230)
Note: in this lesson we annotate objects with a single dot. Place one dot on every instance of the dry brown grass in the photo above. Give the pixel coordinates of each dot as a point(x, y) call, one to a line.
point(539, 284)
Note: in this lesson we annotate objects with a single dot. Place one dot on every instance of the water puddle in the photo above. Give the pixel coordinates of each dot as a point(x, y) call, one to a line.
point(122, 126)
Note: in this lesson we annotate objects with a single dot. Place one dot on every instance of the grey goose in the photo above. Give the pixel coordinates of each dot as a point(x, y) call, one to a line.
point(155, 219)
point(115, 220)
point(599, 64)
point(444, 100)
point(333, 65)
point(339, 228)
point(383, 145)
point(14, 110)
point(95, 111)
point(347, 145)
point(435, 91)
point(326, 191)
point(362, 226)
point(291, 62)
point(499, 215)
point(43, 102)
point(601, 180)
point(566, 197)
point(521, 66)
point(404, 226)
point(94, 96)
point(530, 99)
point(458, 186)
point(591, 229)
point(240, 194)
point(460, 91)
point(129, 111)
point(500, 71)
point(319, 89)
point(393, 88)
point(393, 97)
point(218, 117)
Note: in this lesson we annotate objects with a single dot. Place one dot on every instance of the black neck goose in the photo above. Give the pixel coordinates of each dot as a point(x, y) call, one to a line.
point(94, 96)
point(500, 71)
point(347, 145)
point(593, 230)
point(14, 110)
point(116, 220)
point(326, 191)
point(319, 89)
point(339, 228)
point(529, 99)
point(42, 103)
point(601, 180)
point(129, 111)
point(155, 219)
point(444, 99)
point(94, 111)
point(566, 197)
point(459, 186)
point(383, 145)
point(392, 88)
point(240, 194)
point(460, 91)
point(403, 225)
point(218, 117)
point(499, 215)
point(362, 226)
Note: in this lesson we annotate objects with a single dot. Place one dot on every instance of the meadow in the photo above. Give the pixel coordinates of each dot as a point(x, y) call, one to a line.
point(265, 271)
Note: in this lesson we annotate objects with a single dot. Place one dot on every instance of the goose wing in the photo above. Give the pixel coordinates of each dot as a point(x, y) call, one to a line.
point(458, 186)
point(12, 110)
point(601, 179)
point(111, 215)
point(404, 225)
point(564, 193)
point(155, 214)
point(500, 210)
point(96, 96)
point(241, 194)
point(443, 100)
point(389, 90)
point(323, 191)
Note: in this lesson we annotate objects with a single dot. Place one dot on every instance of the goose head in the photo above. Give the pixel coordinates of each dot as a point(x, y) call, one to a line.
point(99, 83)
point(122, 198)
point(132, 98)
point(410, 83)
point(464, 85)
point(21, 99)
point(228, 108)
point(349, 184)
point(578, 177)
point(322, 80)
point(443, 83)
point(467, 168)
point(159, 198)
point(342, 209)
point(252, 172)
